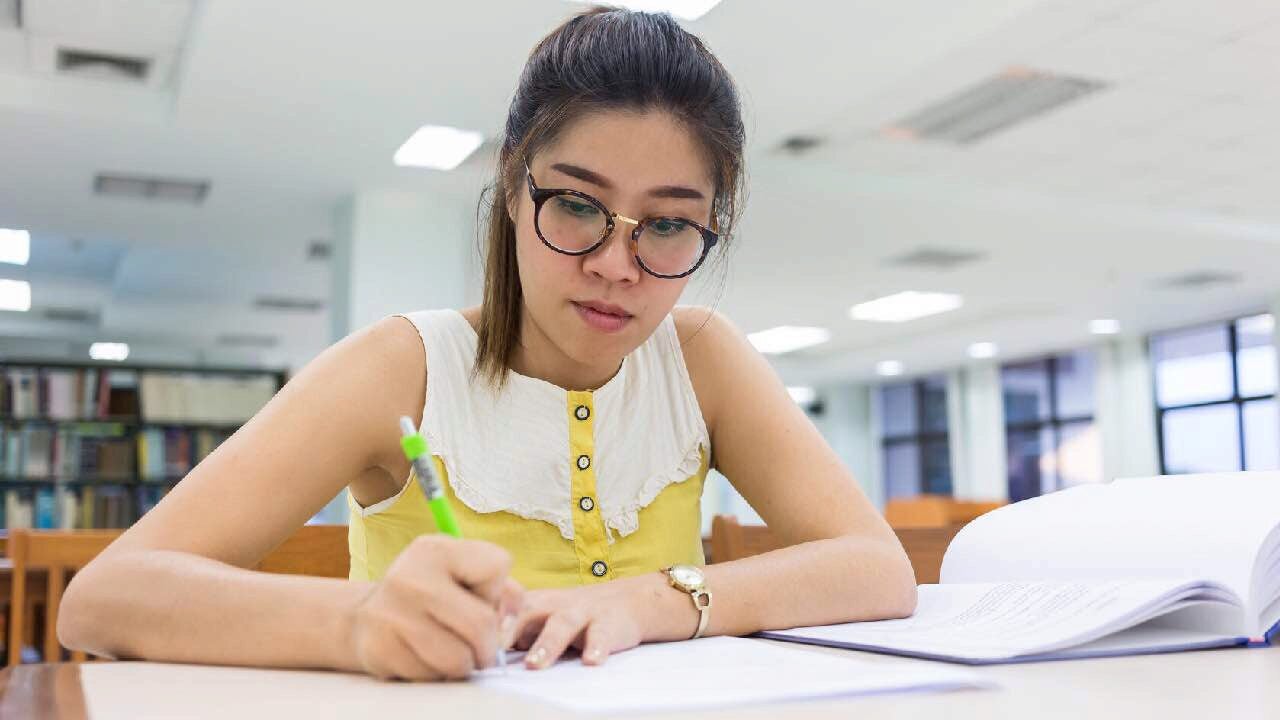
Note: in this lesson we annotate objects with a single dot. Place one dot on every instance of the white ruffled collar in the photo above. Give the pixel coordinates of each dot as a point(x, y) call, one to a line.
point(508, 450)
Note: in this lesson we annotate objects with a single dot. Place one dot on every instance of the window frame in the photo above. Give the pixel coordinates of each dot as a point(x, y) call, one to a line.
point(920, 436)
point(1054, 422)
point(1236, 399)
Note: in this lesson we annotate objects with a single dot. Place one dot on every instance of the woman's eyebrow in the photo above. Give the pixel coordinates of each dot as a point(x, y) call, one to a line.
point(662, 191)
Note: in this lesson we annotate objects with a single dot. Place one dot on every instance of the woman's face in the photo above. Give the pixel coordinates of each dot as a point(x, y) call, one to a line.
point(638, 164)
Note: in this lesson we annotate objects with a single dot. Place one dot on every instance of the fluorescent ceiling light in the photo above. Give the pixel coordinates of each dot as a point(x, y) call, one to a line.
point(1104, 326)
point(904, 306)
point(438, 147)
point(802, 394)
point(109, 351)
point(683, 9)
point(15, 246)
point(786, 338)
point(888, 368)
point(983, 350)
point(15, 295)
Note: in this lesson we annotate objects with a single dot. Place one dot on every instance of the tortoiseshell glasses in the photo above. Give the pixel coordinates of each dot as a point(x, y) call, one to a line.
point(574, 223)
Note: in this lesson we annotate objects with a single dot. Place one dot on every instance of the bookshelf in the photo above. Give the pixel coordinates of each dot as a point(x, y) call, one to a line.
point(97, 444)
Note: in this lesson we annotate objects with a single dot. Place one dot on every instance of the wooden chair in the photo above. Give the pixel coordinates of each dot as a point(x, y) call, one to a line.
point(730, 540)
point(919, 511)
point(56, 553)
point(319, 550)
point(963, 512)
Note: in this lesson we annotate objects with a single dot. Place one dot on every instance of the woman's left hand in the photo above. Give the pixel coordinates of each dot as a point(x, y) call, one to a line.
point(598, 620)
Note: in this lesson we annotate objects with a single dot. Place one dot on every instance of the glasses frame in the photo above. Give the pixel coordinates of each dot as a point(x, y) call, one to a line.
point(541, 195)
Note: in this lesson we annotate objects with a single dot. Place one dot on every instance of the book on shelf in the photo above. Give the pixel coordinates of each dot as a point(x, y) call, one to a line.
point(1141, 565)
point(169, 452)
point(188, 397)
point(66, 393)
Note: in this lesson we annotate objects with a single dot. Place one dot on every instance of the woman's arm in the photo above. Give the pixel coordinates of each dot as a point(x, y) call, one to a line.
point(844, 563)
point(174, 586)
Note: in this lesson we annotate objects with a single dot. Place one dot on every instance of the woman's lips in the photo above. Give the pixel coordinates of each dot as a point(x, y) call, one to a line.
point(602, 321)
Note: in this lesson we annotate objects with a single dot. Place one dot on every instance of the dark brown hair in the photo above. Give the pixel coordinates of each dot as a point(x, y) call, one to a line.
point(602, 59)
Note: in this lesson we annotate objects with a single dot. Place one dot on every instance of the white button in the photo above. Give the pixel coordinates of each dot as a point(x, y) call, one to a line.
point(598, 568)
point(584, 462)
point(587, 504)
point(582, 412)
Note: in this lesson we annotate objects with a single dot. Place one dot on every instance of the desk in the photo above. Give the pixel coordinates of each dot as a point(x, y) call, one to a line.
point(1235, 683)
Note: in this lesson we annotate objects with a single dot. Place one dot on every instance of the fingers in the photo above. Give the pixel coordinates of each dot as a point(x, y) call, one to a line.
point(481, 566)
point(389, 657)
point(453, 607)
point(597, 645)
point(558, 632)
point(436, 648)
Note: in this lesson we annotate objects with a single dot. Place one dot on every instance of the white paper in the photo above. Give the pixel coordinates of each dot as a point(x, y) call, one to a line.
point(991, 621)
point(696, 674)
point(716, 672)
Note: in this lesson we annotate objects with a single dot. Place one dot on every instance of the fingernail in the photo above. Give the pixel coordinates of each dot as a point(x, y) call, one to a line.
point(536, 657)
point(594, 655)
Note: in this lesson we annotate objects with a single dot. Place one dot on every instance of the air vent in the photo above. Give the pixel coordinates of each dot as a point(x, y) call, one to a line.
point(939, 259)
point(10, 14)
point(80, 316)
point(319, 250)
point(103, 66)
point(1012, 97)
point(248, 340)
point(800, 144)
point(288, 304)
point(179, 190)
point(1201, 279)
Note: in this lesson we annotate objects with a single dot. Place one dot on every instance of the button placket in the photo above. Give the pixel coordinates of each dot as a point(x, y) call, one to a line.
point(590, 539)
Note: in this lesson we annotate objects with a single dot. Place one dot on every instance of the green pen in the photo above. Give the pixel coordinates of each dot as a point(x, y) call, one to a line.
point(419, 455)
point(415, 448)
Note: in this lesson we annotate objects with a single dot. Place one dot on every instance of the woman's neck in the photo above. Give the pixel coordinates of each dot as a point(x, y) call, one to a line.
point(538, 357)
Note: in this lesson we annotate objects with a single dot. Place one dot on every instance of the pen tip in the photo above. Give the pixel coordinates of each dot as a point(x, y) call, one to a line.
point(406, 426)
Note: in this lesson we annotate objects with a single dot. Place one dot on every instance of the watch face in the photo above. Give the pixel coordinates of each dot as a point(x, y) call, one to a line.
point(687, 575)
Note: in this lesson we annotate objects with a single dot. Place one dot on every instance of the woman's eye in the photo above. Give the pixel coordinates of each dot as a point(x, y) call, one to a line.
point(580, 209)
point(668, 227)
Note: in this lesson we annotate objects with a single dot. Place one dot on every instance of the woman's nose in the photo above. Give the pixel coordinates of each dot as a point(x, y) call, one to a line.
point(614, 260)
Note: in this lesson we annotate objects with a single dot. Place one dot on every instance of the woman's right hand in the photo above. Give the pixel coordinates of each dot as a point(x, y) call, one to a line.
point(441, 611)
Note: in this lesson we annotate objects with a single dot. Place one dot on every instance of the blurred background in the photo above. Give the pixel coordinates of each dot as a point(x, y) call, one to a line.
point(995, 248)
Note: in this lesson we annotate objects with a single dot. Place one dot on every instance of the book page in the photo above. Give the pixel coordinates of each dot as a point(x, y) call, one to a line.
point(1001, 621)
point(1204, 527)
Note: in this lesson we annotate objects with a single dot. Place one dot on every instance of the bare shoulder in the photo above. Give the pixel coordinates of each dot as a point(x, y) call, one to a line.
point(376, 372)
point(714, 351)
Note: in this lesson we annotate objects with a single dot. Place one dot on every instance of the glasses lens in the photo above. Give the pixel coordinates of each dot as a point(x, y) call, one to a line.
point(670, 246)
point(571, 223)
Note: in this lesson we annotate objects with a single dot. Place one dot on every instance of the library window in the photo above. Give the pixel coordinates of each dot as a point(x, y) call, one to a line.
point(1216, 397)
point(916, 454)
point(1051, 438)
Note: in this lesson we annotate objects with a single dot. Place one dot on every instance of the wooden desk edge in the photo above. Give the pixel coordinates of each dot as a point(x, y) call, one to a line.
point(44, 690)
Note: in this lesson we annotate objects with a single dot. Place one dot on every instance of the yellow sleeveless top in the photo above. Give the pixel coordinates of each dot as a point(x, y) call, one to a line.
point(668, 530)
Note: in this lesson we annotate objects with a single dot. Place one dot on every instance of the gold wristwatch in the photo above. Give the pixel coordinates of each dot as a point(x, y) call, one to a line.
point(690, 579)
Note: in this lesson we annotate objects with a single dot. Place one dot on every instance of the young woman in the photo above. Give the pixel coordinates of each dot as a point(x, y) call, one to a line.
point(573, 417)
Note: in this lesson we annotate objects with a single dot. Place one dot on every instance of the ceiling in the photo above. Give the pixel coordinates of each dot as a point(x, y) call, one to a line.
point(290, 107)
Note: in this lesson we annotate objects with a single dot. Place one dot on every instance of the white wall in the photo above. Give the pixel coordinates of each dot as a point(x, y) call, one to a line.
point(1125, 412)
point(975, 421)
point(397, 252)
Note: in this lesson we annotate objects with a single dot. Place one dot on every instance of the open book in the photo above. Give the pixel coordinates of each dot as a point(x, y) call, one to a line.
point(1142, 565)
